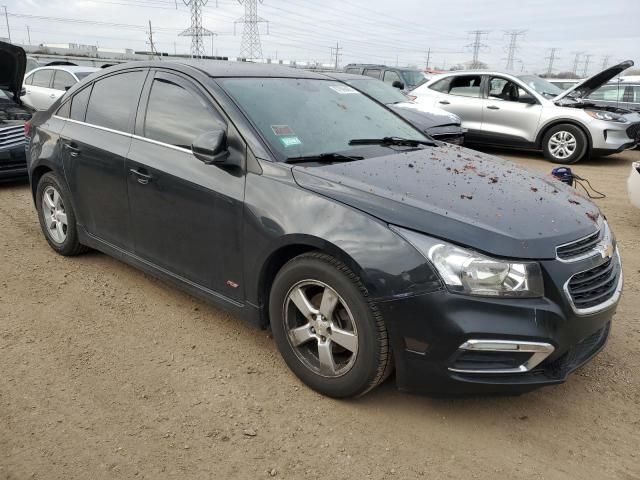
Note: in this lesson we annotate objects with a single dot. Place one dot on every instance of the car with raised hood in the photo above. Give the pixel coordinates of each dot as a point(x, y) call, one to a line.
point(12, 113)
point(435, 122)
point(304, 206)
point(527, 112)
point(44, 85)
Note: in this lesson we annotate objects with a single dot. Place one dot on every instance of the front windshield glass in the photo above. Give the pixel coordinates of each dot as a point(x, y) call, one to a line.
point(413, 78)
point(380, 91)
point(541, 86)
point(304, 117)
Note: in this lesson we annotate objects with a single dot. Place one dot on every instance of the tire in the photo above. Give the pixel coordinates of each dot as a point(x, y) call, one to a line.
point(322, 278)
point(53, 202)
point(565, 144)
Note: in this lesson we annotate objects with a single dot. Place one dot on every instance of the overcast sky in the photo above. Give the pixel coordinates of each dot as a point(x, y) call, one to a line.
point(374, 31)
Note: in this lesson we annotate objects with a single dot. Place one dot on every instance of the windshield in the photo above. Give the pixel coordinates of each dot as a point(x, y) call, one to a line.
point(81, 75)
point(303, 117)
point(380, 91)
point(413, 78)
point(541, 86)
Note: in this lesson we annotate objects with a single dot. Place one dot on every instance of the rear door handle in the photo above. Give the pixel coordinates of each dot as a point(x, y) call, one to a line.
point(493, 107)
point(53, 95)
point(142, 174)
point(73, 149)
point(444, 102)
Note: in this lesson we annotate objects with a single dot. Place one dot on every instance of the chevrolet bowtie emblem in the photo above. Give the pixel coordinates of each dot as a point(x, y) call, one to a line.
point(605, 249)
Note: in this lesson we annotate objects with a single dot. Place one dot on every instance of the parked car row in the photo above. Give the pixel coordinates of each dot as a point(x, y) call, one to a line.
point(527, 112)
point(304, 205)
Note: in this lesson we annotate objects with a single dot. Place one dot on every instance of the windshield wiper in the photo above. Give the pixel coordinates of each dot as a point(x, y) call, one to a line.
point(403, 142)
point(324, 158)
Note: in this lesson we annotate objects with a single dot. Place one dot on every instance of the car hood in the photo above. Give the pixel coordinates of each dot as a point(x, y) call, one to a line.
point(13, 62)
point(462, 196)
point(584, 88)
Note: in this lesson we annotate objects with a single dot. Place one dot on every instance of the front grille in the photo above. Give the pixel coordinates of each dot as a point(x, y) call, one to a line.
point(11, 137)
point(595, 286)
point(634, 131)
point(580, 247)
point(578, 354)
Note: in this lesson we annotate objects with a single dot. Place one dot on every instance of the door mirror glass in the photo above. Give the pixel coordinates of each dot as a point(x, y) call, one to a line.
point(528, 99)
point(211, 147)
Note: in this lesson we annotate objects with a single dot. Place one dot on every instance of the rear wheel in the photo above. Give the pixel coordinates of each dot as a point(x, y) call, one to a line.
point(327, 331)
point(564, 144)
point(56, 215)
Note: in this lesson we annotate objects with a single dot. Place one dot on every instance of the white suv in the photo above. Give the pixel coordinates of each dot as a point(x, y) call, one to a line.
point(526, 111)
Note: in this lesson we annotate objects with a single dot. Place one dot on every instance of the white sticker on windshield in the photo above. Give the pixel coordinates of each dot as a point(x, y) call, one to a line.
point(343, 89)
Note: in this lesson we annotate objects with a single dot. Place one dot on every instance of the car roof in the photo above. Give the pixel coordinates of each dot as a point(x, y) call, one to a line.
point(68, 68)
point(224, 69)
point(346, 76)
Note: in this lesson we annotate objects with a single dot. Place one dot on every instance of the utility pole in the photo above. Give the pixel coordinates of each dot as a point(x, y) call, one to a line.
point(29, 34)
point(552, 58)
point(513, 46)
point(587, 59)
point(6, 17)
point(576, 63)
point(251, 47)
point(428, 57)
point(476, 46)
point(605, 61)
point(196, 31)
point(150, 42)
point(335, 54)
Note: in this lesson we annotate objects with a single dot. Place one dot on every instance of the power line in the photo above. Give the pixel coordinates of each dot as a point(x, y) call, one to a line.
point(552, 58)
point(196, 31)
point(477, 46)
point(513, 46)
point(251, 47)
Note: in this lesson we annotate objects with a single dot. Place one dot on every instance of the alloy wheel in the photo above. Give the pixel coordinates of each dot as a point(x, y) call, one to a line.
point(320, 328)
point(54, 214)
point(562, 144)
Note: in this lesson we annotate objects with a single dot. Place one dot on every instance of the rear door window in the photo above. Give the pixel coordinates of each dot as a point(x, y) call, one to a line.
point(42, 78)
point(177, 115)
point(114, 100)
point(63, 80)
point(373, 72)
point(466, 86)
point(79, 104)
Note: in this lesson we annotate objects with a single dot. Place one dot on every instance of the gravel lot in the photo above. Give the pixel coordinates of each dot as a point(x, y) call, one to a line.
point(108, 373)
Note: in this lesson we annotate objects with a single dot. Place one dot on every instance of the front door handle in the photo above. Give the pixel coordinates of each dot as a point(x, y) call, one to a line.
point(53, 95)
point(143, 176)
point(444, 102)
point(493, 107)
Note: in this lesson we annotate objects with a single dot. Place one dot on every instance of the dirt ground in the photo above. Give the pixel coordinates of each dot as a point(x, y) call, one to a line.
point(108, 373)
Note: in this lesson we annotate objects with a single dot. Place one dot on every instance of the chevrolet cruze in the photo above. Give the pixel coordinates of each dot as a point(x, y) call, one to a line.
point(304, 206)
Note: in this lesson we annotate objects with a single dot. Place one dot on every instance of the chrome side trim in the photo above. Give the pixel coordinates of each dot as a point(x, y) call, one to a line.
point(124, 134)
point(540, 351)
point(607, 303)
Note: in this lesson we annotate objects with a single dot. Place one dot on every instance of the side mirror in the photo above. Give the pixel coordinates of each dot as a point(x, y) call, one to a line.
point(23, 92)
point(398, 84)
point(528, 99)
point(66, 89)
point(211, 147)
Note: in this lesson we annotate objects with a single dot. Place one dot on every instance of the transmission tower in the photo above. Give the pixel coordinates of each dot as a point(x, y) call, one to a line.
point(251, 47)
point(196, 31)
point(605, 61)
point(576, 63)
point(336, 55)
point(587, 59)
point(477, 46)
point(552, 58)
point(513, 46)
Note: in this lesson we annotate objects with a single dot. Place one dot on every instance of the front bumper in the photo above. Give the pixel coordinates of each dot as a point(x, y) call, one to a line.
point(608, 138)
point(13, 163)
point(428, 330)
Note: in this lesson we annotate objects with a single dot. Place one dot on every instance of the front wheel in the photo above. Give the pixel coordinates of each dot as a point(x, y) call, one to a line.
point(329, 335)
point(565, 143)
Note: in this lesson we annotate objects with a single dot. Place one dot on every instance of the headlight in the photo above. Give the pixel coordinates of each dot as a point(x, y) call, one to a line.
point(469, 272)
point(607, 116)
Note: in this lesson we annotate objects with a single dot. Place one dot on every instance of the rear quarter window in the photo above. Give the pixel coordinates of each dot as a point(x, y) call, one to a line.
point(79, 104)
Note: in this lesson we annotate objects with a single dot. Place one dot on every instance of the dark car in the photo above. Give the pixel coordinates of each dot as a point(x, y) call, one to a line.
point(619, 95)
point(302, 205)
point(435, 122)
point(12, 113)
point(403, 78)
